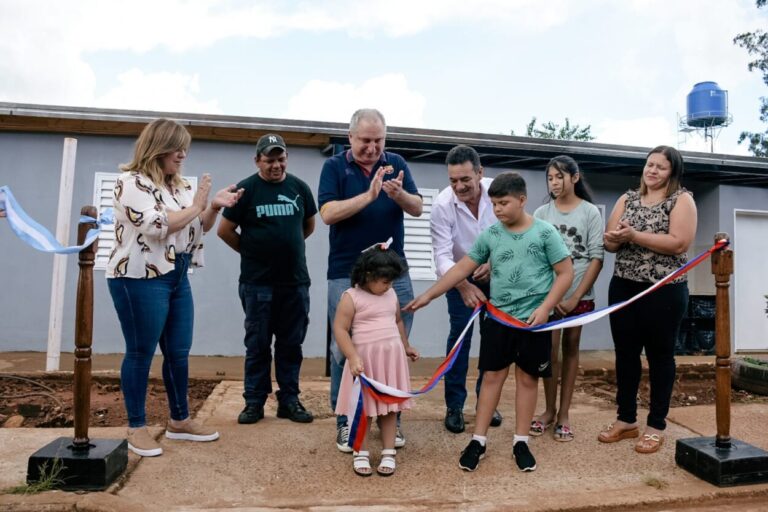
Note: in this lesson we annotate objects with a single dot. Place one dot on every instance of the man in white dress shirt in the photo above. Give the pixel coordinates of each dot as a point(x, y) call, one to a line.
point(460, 212)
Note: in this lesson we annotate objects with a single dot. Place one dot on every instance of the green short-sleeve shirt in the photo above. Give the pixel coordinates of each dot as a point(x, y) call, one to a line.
point(521, 264)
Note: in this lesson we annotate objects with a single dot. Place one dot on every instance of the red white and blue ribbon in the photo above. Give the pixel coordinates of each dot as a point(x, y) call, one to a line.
point(387, 394)
point(36, 236)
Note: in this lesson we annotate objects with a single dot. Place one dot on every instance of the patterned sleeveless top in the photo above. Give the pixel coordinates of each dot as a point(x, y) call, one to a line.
point(638, 263)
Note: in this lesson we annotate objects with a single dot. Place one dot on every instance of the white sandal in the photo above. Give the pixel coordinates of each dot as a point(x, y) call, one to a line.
point(387, 465)
point(361, 463)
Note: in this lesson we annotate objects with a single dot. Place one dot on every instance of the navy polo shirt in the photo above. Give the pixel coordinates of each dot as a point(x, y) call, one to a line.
point(341, 178)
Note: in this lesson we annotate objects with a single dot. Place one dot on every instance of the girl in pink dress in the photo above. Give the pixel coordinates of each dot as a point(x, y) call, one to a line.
point(370, 333)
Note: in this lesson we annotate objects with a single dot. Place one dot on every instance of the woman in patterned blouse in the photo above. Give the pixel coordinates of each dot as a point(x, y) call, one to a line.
point(159, 223)
point(650, 230)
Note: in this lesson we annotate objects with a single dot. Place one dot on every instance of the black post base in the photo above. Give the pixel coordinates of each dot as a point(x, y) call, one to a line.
point(93, 469)
point(740, 464)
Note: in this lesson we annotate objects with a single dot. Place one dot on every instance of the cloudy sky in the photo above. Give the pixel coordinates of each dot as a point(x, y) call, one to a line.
point(482, 66)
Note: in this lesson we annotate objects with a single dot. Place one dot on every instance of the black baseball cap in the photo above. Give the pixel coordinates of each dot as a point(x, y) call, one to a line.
point(269, 142)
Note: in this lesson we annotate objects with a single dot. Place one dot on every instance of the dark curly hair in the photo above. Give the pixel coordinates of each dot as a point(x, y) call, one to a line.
point(377, 263)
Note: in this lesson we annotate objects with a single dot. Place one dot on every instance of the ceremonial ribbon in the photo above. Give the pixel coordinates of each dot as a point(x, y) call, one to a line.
point(387, 394)
point(35, 235)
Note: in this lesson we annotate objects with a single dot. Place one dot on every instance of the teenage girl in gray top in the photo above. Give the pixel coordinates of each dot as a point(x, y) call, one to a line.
point(579, 222)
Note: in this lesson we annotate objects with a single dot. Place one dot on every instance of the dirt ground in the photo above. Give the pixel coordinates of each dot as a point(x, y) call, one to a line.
point(46, 400)
point(695, 385)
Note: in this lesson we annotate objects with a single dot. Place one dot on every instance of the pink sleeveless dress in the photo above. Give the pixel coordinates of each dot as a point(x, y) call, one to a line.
point(377, 341)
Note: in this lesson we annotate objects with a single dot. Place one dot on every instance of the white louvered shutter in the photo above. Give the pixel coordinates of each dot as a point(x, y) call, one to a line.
point(103, 187)
point(418, 240)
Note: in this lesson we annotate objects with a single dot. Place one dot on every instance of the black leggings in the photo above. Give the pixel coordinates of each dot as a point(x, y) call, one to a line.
point(652, 323)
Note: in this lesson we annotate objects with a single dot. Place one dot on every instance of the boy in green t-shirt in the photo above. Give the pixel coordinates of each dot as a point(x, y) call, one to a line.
point(531, 270)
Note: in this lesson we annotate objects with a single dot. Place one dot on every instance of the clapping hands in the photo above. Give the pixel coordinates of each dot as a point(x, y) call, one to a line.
point(394, 187)
point(622, 234)
point(227, 197)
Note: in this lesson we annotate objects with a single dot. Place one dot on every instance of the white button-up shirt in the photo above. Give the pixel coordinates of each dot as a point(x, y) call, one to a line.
point(454, 228)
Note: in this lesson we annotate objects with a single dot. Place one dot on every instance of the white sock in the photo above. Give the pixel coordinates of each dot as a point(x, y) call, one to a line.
point(481, 439)
point(518, 438)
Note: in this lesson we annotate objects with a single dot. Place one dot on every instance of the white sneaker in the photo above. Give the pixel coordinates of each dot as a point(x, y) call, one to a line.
point(142, 443)
point(191, 430)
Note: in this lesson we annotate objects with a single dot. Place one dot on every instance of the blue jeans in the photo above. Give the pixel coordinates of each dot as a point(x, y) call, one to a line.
point(336, 287)
point(456, 378)
point(151, 312)
point(281, 312)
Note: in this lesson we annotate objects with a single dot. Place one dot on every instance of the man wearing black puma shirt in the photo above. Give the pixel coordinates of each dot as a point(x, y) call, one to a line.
point(275, 216)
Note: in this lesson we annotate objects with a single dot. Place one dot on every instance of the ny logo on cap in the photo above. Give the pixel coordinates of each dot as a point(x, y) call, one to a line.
point(272, 139)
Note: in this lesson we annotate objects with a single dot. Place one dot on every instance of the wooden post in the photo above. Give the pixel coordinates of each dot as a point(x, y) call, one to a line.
point(56, 313)
point(84, 334)
point(722, 268)
point(721, 460)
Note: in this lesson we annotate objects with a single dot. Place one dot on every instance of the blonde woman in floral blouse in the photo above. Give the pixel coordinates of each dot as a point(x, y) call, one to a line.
point(159, 223)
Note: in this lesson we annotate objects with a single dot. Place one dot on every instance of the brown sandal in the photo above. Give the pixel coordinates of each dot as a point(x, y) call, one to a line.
point(609, 435)
point(649, 443)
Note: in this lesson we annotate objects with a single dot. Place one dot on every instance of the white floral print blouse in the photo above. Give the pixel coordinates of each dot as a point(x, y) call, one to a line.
point(143, 247)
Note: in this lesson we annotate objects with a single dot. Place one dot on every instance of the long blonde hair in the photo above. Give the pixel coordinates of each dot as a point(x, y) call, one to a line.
point(160, 137)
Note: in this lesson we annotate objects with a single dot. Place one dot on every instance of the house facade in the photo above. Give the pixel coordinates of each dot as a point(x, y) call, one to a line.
point(731, 194)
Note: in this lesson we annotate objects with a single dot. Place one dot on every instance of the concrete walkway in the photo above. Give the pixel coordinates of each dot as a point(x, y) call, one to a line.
point(278, 464)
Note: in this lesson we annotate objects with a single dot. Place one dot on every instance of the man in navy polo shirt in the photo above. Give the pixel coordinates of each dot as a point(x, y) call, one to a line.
point(362, 195)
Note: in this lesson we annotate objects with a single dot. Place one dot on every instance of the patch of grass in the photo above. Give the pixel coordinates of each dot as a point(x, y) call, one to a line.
point(655, 482)
point(49, 480)
point(752, 360)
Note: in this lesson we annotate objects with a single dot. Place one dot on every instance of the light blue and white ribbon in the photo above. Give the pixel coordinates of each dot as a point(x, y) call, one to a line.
point(36, 236)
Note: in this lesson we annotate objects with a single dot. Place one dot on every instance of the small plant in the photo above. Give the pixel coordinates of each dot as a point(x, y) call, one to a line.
point(759, 362)
point(655, 482)
point(49, 480)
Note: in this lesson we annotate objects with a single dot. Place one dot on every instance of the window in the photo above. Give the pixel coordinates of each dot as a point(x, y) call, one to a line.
point(418, 240)
point(103, 186)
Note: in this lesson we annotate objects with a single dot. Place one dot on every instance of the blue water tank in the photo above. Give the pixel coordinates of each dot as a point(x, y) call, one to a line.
point(707, 105)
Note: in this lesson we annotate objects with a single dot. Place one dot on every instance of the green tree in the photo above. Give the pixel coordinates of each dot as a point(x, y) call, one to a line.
point(756, 44)
point(550, 130)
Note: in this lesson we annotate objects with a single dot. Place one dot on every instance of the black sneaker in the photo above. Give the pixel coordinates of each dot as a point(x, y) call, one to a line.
point(399, 438)
point(523, 456)
point(471, 455)
point(496, 419)
point(454, 421)
point(342, 439)
point(294, 411)
point(251, 414)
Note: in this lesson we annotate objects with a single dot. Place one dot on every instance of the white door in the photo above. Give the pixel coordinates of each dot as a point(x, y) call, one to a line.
point(750, 248)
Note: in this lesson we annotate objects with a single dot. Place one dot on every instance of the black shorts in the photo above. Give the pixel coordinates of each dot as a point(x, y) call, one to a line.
point(500, 346)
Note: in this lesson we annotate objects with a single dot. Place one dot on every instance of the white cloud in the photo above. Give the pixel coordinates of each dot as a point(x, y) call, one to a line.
point(654, 131)
point(335, 101)
point(170, 92)
point(45, 45)
point(649, 131)
point(406, 17)
point(141, 25)
point(46, 49)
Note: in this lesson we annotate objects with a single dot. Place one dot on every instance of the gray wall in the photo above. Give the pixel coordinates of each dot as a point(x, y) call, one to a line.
point(30, 165)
